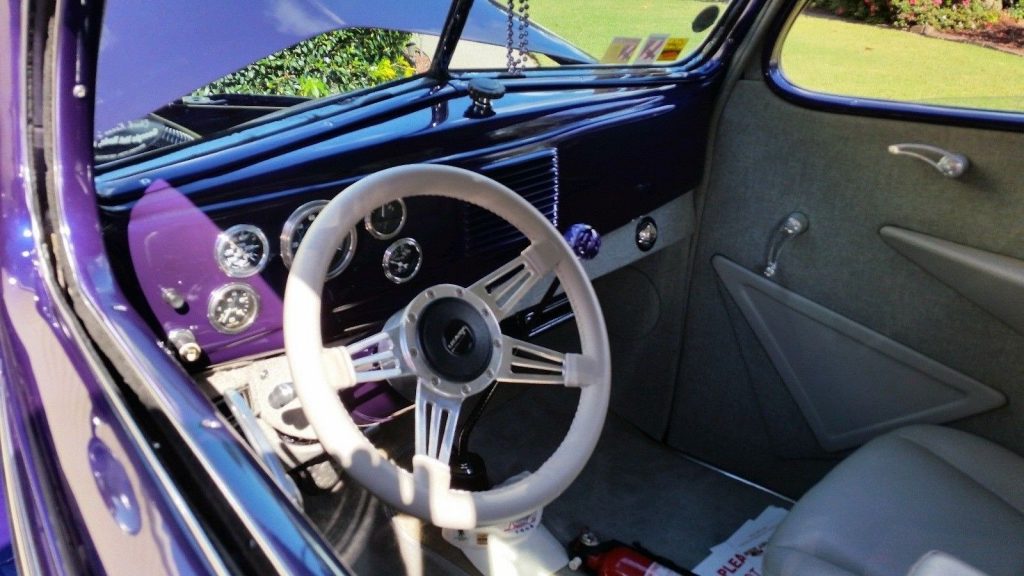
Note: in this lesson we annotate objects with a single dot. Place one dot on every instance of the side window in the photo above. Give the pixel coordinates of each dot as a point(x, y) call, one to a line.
point(950, 53)
point(550, 33)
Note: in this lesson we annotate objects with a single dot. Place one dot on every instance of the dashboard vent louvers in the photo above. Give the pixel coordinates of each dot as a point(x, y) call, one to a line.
point(535, 177)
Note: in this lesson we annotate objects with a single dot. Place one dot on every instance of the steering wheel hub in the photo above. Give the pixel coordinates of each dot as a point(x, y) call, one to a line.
point(452, 340)
point(455, 339)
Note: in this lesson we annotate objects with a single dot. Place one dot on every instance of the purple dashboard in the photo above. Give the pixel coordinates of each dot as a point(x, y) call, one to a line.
point(207, 233)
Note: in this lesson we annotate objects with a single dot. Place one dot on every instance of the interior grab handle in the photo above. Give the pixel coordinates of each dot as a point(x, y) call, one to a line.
point(949, 164)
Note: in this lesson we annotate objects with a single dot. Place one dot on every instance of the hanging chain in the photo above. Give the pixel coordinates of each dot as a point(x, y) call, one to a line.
point(517, 61)
point(524, 30)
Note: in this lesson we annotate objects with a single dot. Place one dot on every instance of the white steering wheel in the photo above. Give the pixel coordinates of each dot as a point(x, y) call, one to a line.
point(449, 339)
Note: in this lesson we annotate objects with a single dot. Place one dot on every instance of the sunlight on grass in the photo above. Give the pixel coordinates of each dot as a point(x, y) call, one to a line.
point(591, 24)
point(841, 57)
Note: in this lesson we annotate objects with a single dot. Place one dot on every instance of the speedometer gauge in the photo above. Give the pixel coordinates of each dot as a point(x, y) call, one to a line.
point(241, 250)
point(295, 229)
point(386, 222)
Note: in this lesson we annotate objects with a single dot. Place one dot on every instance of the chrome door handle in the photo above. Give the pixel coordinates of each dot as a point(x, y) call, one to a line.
point(949, 164)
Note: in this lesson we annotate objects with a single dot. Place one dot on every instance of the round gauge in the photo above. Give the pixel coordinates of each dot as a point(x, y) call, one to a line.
point(241, 250)
point(233, 308)
point(402, 260)
point(295, 229)
point(386, 222)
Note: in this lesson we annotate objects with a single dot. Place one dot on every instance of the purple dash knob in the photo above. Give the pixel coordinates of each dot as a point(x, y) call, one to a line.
point(584, 241)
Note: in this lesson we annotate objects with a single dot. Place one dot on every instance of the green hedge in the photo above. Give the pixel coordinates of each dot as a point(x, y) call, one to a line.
point(944, 14)
point(331, 63)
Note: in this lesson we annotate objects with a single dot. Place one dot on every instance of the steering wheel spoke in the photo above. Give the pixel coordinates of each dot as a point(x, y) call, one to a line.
point(437, 417)
point(373, 358)
point(504, 288)
point(526, 363)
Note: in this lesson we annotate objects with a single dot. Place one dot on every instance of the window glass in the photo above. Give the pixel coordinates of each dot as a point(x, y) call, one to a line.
point(334, 62)
point(331, 63)
point(954, 53)
point(611, 32)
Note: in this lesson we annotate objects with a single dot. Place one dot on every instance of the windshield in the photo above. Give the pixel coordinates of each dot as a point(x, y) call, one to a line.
point(610, 32)
point(233, 61)
point(335, 62)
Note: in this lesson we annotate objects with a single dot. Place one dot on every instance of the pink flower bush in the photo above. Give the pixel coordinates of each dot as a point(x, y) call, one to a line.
point(944, 14)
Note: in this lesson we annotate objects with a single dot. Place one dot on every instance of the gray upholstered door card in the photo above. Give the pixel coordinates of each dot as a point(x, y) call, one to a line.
point(850, 382)
point(992, 281)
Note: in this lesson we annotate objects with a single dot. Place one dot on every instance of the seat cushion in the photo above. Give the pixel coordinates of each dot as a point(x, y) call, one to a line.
point(917, 489)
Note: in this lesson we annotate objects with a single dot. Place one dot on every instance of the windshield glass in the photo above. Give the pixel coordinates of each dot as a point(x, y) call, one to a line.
point(612, 32)
point(335, 62)
point(229, 62)
point(331, 63)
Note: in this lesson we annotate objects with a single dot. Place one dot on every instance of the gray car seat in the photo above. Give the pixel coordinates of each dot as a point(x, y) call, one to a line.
point(912, 491)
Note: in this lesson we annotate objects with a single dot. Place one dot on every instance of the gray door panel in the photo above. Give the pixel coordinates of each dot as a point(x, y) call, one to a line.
point(850, 382)
point(992, 281)
point(771, 158)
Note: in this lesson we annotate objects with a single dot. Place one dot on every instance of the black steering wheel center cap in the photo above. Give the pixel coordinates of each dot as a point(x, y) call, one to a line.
point(454, 338)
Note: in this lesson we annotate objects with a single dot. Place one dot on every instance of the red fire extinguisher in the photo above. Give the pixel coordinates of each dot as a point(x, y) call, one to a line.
point(614, 558)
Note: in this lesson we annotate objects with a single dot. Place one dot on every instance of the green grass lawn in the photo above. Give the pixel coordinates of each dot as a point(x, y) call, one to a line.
point(821, 54)
point(843, 57)
point(591, 24)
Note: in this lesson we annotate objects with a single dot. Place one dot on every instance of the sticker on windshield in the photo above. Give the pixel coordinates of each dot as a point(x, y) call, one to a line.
point(652, 47)
point(620, 50)
point(672, 50)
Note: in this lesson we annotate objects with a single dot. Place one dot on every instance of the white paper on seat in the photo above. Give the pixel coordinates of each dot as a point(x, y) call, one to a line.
point(742, 553)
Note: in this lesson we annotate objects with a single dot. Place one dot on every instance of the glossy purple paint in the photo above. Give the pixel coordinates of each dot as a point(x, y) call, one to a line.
point(12, 161)
point(55, 405)
point(150, 57)
point(172, 247)
point(171, 243)
point(30, 325)
point(372, 402)
point(48, 387)
point(64, 389)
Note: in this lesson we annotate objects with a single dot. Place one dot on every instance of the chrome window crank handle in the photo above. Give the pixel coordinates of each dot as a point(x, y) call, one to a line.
point(949, 164)
point(791, 226)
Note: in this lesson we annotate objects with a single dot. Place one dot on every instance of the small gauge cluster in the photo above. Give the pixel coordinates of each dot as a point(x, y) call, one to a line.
point(233, 308)
point(386, 222)
point(402, 260)
point(243, 250)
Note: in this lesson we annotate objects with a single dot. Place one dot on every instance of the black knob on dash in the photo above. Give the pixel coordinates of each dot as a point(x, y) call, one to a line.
point(483, 91)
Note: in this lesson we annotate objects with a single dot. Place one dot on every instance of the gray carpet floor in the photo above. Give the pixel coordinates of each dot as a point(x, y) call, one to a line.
point(633, 490)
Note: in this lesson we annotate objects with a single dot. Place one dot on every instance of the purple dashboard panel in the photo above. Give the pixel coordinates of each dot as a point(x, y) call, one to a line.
point(172, 248)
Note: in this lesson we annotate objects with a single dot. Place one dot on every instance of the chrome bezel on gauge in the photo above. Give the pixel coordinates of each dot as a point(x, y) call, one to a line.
point(391, 251)
point(228, 236)
point(293, 221)
point(218, 295)
point(368, 223)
